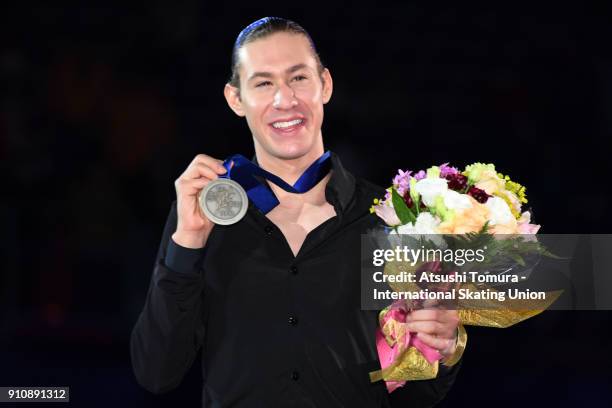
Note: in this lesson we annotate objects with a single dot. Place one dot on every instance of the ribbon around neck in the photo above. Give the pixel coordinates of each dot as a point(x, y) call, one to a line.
point(245, 173)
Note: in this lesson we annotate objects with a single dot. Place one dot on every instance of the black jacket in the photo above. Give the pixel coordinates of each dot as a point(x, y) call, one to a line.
point(276, 330)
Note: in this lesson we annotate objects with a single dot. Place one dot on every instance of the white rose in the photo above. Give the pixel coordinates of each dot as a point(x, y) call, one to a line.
point(426, 224)
point(456, 201)
point(430, 189)
point(500, 212)
point(408, 228)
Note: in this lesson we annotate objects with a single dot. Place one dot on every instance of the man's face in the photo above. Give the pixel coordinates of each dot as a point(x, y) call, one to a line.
point(281, 95)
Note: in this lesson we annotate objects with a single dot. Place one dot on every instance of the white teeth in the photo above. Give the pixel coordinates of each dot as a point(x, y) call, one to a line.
point(280, 125)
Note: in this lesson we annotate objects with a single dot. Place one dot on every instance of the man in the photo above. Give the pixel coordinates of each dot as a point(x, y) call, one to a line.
point(274, 300)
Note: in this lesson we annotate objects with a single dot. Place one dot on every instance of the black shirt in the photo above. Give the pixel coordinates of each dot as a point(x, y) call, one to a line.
point(275, 330)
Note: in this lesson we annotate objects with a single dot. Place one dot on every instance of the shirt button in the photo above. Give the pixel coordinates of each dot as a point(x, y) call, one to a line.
point(294, 270)
point(295, 376)
point(293, 320)
point(268, 229)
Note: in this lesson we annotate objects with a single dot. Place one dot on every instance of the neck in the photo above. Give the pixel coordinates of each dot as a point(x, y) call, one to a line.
point(289, 170)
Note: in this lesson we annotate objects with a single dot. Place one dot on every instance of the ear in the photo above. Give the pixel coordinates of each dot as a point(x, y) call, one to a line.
point(328, 85)
point(232, 96)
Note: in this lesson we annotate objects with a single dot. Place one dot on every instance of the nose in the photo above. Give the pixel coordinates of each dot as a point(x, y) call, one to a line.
point(284, 98)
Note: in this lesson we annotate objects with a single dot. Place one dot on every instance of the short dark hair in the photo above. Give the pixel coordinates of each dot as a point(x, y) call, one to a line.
point(262, 28)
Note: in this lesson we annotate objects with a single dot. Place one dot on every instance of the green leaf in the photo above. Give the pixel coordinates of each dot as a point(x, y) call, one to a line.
point(401, 209)
point(416, 197)
point(517, 258)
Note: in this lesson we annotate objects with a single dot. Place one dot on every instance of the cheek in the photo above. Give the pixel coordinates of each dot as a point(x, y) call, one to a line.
point(312, 95)
point(312, 98)
point(254, 109)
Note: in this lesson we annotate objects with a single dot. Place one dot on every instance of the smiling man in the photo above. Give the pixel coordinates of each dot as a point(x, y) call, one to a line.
point(273, 301)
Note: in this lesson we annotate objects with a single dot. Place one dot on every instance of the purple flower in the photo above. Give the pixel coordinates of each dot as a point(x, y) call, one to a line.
point(420, 175)
point(446, 170)
point(401, 182)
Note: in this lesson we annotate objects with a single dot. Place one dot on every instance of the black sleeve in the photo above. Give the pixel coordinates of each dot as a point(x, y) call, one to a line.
point(170, 328)
point(425, 393)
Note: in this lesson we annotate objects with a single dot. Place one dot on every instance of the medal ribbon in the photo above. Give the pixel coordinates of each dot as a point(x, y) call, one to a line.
point(244, 171)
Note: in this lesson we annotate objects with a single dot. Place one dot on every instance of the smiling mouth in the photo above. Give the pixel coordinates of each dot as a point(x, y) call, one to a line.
point(287, 126)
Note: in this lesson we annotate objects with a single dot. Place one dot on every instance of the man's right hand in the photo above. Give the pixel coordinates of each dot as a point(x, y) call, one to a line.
point(193, 227)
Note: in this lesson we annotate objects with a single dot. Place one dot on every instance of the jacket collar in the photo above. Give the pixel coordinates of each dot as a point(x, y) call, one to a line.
point(341, 186)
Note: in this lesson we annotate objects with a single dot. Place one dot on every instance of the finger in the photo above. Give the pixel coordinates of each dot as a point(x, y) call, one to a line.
point(215, 164)
point(430, 327)
point(423, 314)
point(439, 343)
point(200, 160)
point(197, 170)
point(191, 186)
point(208, 160)
point(448, 317)
point(440, 315)
point(210, 172)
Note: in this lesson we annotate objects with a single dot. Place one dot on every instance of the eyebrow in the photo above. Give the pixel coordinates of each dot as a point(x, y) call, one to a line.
point(289, 70)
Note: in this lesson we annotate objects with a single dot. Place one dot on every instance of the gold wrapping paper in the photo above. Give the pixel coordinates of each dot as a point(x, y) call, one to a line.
point(412, 365)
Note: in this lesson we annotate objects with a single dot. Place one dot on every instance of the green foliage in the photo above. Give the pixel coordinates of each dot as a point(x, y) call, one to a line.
point(499, 250)
point(404, 213)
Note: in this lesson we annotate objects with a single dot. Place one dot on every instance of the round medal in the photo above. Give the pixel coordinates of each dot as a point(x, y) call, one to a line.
point(224, 201)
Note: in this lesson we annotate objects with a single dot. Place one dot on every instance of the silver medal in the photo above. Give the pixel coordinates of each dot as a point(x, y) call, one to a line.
point(223, 201)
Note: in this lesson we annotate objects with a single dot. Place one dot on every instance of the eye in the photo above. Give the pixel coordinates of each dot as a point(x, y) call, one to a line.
point(299, 78)
point(262, 84)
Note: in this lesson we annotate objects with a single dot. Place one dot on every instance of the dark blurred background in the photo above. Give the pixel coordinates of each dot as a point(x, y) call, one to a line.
point(103, 105)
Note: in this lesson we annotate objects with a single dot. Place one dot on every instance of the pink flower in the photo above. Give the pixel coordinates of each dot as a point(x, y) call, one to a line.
point(420, 175)
point(387, 213)
point(401, 182)
point(524, 226)
point(446, 170)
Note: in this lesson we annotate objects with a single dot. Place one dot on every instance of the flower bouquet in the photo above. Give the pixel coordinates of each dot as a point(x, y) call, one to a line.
point(444, 208)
